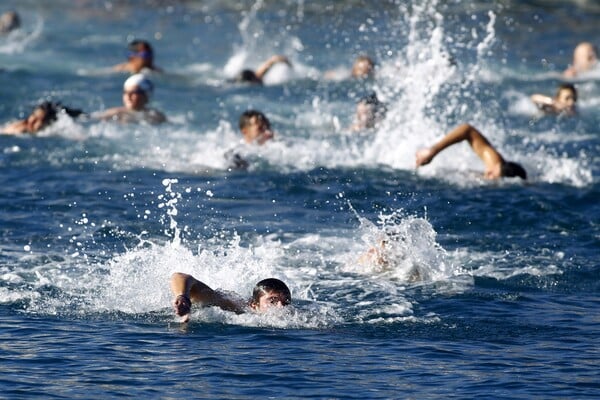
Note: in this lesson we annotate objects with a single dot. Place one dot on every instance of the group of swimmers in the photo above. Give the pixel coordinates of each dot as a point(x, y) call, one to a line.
point(256, 129)
point(562, 103)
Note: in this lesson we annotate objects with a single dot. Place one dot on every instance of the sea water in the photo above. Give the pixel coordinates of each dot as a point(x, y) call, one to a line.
point(488, 289)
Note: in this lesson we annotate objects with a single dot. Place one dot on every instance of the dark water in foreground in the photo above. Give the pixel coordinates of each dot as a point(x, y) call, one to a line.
point(95, 216)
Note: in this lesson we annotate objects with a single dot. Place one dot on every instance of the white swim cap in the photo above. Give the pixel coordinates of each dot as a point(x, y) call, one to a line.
point(141, 82)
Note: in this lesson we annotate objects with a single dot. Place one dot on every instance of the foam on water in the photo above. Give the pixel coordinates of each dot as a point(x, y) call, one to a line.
point(254, 49)
point(334, 289)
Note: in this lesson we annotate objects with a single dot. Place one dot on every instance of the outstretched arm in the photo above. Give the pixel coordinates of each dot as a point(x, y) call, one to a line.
point(266, 66)
point(544, 103)
point(123, 67)
point(188, 289)
point(480, 145)
point(15, 128)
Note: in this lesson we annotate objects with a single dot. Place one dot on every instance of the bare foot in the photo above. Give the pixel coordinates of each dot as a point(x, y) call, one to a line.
point(182, 306)
point(424, 157)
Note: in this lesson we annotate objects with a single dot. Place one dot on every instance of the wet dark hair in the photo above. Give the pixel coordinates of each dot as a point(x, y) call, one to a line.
point(510, 169)
point(51, 110)
point(141, 46)
point(567, 86)
point(248, 115)
point(9, 21)
point(269, 285)
point(248, 76)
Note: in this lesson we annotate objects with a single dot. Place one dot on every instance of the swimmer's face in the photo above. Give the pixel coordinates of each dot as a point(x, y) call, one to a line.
point(257, 130)
point(35, 121)
point(140, 56)
point(362, 68)
point(134, 99)
point(271, 299)
point(565, 100)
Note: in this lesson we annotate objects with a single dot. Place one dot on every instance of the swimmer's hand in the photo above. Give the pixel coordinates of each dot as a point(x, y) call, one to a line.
point(182, 307)
point(424, 157)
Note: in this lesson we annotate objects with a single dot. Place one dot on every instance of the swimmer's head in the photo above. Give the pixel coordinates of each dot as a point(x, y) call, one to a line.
point(565, 98)
point(248, 76)
point(269, 293)
point(511, 169)
point(255, 127)
point(46, 113)
point(363, 67)
point(9, 21)
point(137, 91)
point(141, 49)
point(585, 56)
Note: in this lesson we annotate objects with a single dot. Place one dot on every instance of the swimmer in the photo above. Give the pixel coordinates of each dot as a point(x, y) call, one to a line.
point(256, 77)
point(140, 58)
point(255, 127)
point(495, 166)
point(137, 91)
point(376, 255)
point(584, 59)
point(9, 21)
point(268, 293)
point(369, 112)
point(562, 103)
point(362, 68)
point(42, 116)
point(388, 254)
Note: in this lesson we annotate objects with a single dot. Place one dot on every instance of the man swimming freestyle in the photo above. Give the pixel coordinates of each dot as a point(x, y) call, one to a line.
point(267, 294)
point(495, 165)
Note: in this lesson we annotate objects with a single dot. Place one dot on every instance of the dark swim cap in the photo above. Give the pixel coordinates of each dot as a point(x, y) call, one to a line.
point(248, 76)
point(511, 169)
point(51, 110)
